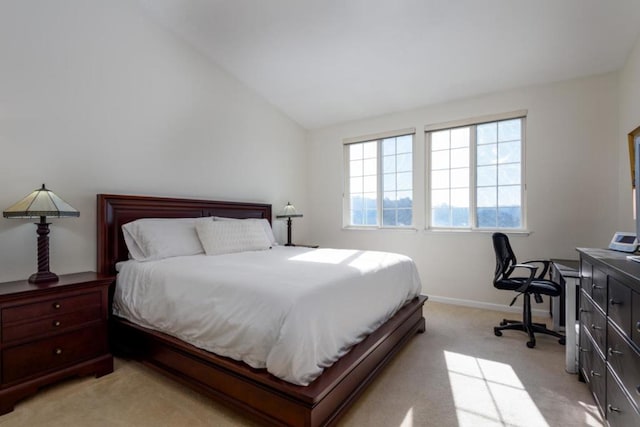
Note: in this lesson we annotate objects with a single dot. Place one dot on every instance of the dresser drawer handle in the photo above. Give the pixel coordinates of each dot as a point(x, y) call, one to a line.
point(638, 390)
point(638, 326)
point(584, 350)
point(57, 351)
point(595, 374)
point(596, 287)
point(56, 323)
point(57, 305)
point(613, 352)
point(613, 409)
point(615, 302)
point(584, 310)
point(596, 328)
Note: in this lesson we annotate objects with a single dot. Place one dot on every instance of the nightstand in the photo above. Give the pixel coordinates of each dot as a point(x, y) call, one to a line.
point(52, 331)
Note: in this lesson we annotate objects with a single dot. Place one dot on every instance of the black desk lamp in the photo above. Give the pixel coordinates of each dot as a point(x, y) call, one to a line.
point(289, 212)
point(41, 203)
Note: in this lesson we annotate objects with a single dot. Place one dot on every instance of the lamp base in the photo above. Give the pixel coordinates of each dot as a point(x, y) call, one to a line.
point(43, 277)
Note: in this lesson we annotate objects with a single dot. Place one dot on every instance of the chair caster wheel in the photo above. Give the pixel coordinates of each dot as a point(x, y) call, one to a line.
point(562, 341)
point(531, 344)
point(497, 332)
point(503, 323)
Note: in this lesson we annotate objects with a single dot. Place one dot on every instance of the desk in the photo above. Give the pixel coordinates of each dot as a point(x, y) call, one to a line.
point(564, 313)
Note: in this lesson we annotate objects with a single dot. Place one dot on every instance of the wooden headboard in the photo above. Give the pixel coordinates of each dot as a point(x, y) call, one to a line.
point(116, 210)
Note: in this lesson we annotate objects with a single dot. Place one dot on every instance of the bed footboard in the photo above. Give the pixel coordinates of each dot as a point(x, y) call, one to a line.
point(260, 394)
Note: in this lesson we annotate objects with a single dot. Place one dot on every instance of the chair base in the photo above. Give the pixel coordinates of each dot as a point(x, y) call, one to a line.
point(529, 329)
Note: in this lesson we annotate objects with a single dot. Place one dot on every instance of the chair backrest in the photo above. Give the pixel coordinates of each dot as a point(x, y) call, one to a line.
point(505, 258)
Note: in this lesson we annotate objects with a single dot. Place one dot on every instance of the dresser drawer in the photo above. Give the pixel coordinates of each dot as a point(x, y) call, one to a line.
point(620, 411)
point(60, 305)
point(586, 355)
point(625, 362)
point(635, 318)
point(586, 308)
point(586, 272)
point(596, 374)
point(620, 305)
point(37, 357)
point(599, 289)
point(594, 321)
point(51, 324)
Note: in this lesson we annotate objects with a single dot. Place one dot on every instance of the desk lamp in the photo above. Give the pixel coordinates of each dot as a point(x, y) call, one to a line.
point(41, 203)
point(289, 212)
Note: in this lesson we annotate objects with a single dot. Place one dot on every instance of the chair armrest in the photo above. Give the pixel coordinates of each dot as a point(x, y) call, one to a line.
point(545, 270)
point(532, 275)
point(525, 265)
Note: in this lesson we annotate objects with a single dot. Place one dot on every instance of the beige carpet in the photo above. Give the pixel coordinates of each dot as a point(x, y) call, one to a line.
point(456, 374)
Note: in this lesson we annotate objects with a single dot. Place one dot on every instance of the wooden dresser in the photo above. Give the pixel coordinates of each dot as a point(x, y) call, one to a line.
point(50, 332)
point(609, 358)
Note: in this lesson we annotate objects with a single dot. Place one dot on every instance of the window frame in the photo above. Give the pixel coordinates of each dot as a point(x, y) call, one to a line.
point(473, 215)
point(346, 199)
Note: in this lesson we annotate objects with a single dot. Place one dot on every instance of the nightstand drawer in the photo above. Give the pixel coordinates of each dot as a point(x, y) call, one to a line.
point(37, 357)
point(51, 324)
point(49, 307)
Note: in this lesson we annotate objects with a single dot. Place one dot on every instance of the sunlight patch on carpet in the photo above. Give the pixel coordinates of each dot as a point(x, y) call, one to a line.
point(489, 393)
point(592, 416)
point(408, 419)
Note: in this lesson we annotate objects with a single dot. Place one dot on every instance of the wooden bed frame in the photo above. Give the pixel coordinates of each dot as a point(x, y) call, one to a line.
point(252, 391)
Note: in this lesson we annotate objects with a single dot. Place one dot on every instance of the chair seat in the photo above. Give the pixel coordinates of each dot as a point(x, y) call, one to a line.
point(544, 287)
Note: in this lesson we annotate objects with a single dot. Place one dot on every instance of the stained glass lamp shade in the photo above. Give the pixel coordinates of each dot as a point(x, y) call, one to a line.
point(42, 203)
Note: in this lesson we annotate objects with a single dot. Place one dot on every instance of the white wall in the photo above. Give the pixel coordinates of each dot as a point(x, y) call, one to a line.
point(629, 120)
point(97, 98)
point(571, 175)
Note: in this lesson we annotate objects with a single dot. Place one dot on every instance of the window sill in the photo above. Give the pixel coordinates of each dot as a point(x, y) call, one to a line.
point(373, 228)
point(479, 231)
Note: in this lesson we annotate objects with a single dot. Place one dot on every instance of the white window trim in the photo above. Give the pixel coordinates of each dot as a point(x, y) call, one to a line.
point(519, 114)
point(380, 135)
point(476, 120)
point(346, 214)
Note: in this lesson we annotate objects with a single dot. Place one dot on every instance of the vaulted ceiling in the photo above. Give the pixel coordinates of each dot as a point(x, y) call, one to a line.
point(324, 62)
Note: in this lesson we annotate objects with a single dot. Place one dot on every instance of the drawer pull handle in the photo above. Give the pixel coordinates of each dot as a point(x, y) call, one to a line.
point(56, 323)
point(615, 302)
point(596, 287)
point(614, 352)
point(595, 328)
point(584, 350)
point(638, 326)
point(58, 351)
point(584, 310)
point(613, 409)
point(57, 305)
point(595, 374)
point(638, 390)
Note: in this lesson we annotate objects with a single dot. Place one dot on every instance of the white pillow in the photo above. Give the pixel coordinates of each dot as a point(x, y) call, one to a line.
point(156, 238)
point(265, 223)
point(223, 237)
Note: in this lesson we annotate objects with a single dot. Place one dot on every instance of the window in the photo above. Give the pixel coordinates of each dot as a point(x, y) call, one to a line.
point(380, 181)
point(476, 175)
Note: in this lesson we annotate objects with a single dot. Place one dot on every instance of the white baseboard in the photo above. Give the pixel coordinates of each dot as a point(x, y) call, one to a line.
point(538, 312)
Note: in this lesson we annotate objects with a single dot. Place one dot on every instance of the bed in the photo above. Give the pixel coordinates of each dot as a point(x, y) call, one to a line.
point(252, 391)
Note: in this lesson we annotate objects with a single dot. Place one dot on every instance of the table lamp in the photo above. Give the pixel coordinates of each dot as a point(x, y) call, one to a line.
point(289, 212)
point(41, 203)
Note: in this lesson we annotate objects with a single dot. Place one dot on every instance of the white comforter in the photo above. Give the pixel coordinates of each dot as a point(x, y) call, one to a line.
point(293, 311)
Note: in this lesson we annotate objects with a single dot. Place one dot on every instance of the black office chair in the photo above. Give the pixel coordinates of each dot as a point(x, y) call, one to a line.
point(525, 285)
